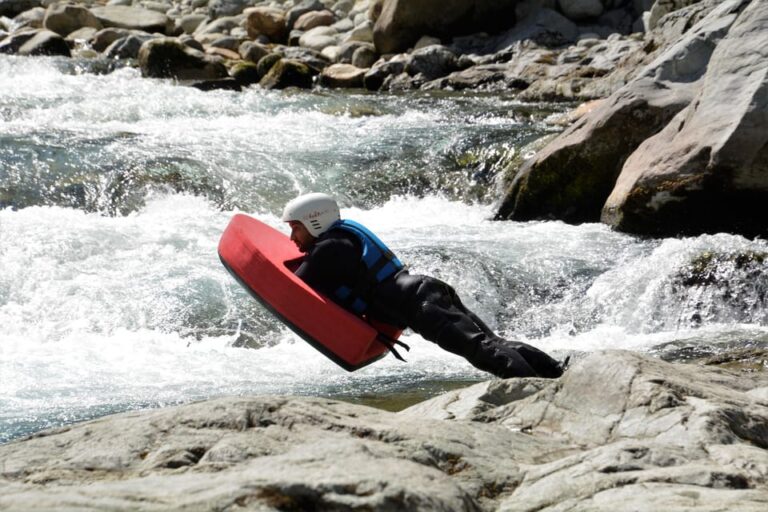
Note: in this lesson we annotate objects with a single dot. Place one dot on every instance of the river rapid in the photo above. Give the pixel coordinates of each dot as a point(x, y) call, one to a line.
point(114, 190)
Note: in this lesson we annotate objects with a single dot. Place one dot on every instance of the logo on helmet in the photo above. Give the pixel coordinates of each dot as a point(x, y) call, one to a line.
point(316, 214)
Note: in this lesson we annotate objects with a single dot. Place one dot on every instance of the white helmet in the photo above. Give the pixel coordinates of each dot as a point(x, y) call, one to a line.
point(316, 211)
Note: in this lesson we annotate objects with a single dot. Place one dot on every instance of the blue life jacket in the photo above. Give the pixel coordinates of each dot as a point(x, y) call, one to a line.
point(380, 263)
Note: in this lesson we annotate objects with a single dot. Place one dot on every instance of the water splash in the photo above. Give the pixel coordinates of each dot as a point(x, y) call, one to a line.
point(112, 296)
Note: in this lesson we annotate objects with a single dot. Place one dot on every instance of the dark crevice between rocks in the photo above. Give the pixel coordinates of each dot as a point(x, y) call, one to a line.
point(188, 457)
point(616, 423)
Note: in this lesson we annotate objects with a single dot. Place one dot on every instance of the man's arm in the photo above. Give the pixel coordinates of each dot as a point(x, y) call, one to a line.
point(330, 264)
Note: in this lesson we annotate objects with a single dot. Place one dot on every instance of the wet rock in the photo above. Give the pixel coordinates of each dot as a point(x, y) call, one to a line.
point(432, 62)
point(45, 42)
point(223, 84)
point(12, 8)
point(81, 35)
point(127, 47)
point(252, 51)
point(14, 42)
point(170, 58)
point(342, 76)
point(105, 37)
point(288, 73)
point(266, 21)
point(265, 64)
point(312, 58)
point(382, 70)
point(745, 360)
point(713, 152)
point(246, 73)
point(133, 18)
point(474, 401)
point(32, 18)
point(63, 19)
point(490, 77)
point(190, 41)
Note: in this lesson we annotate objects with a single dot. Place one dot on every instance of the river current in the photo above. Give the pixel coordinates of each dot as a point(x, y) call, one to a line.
point(114, 190)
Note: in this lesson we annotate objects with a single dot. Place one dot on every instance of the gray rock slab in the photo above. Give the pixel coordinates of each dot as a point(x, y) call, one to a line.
point(619, 427)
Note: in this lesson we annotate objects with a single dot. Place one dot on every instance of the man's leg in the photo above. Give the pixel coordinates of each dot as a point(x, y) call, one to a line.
point(441, 317)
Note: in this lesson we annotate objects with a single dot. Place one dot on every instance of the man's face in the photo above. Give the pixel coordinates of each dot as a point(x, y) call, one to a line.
point(300, 236)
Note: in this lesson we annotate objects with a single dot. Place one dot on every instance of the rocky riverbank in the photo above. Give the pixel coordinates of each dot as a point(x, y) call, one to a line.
point(619, 431)
point(682, 148)
point(675, 145)
point(543, 49)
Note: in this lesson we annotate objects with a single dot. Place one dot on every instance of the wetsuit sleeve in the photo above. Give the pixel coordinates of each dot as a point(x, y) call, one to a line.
point(329, 265)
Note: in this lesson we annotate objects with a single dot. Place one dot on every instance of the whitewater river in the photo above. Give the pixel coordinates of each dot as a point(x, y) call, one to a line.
point(114, 191)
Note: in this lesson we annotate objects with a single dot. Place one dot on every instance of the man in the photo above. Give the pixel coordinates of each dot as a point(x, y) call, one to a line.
point(349, 264)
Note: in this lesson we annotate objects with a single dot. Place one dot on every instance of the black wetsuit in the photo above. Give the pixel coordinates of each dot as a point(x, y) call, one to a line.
point(427, 305)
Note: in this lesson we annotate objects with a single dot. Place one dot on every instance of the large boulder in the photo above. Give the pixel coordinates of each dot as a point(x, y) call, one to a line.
point(64, 19)
point(167, 57)
point(133, 18)
point(707, 171)
point(402, 22)
point(572, 177)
